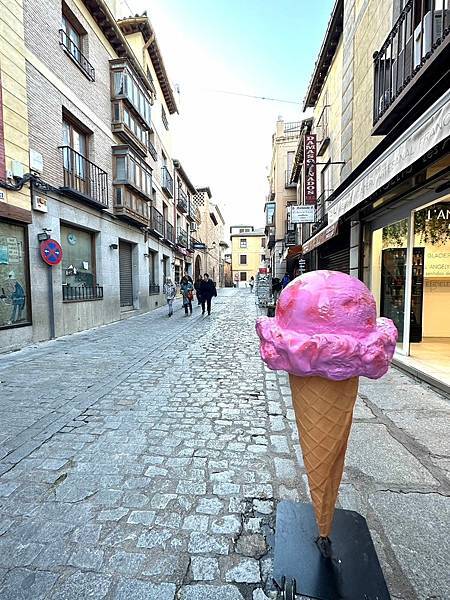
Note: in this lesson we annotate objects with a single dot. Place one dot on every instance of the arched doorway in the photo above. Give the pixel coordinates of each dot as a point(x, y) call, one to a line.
point(198, 268)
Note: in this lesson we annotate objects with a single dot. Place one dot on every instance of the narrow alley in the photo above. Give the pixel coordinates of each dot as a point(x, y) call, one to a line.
point(144, 460)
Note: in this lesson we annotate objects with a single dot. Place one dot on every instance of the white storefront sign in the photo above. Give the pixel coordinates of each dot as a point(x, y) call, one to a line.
point(303, 214)
point(430, 129)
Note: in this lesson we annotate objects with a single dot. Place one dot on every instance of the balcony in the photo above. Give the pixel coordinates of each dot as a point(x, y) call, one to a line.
point(169, 233)
point(182, 201)
point(83, 180)
point(182, 237)
point(292, 129)
point(153, 289)
point(156, 222)
point(321, 217)
point(411, 69)
point(130, 170)
point(190, 215)
point(128, 128)
point(125, 85)
point(81, 293)
point(287, 180)
point(152, 150)
point(131, 207)
point(76, 55)
point(167, 182)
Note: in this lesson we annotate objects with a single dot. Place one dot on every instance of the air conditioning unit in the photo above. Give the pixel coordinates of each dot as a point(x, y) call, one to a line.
point(425, 29)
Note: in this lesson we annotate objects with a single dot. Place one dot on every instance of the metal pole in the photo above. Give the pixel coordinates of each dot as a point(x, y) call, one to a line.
point(51, 306)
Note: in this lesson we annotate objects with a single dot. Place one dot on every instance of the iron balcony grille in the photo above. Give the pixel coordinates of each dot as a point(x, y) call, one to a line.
point(168, 231)
point(167, 181)
point(83, 178)
point(76, 55)
point(419, 34)
point(182, 201)
point(152, 150)
point(156, 221)
point(292, 128)
point(153, 289)
point(81, 293)
point(182, 237)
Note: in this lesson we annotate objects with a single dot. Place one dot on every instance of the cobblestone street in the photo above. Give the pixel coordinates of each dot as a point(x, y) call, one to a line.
point(144, 460)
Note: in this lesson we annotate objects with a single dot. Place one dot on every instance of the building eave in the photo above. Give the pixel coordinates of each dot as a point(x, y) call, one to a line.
point(113, 33)
point(143, 25)
point(298, 160)
point(326, 55)
point(205, 189)
point(179, 167)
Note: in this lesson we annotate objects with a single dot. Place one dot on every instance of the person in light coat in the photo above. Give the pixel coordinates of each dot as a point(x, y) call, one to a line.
point(170, 291)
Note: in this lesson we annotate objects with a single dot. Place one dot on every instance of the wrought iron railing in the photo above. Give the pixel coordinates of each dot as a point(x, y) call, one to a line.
point(152, 150)
point(153, 289)
point(156, 221)
point(292, 128)
point(84, 177)
point(182, 200)
point(191, 212)
point(321, 216)
point(182, 237)
point(167, 181)
point(81, 293)
point(287, 179)
point(413, 43)
point(168, 231)
point(76, 54)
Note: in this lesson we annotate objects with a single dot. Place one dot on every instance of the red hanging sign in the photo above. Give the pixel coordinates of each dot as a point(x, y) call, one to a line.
point(310, 169)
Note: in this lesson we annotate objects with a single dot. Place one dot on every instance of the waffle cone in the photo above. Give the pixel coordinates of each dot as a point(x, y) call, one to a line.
point(323, 411)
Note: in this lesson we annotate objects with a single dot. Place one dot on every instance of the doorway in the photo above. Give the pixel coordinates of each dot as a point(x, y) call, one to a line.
point(126, 274)
point(198, 268)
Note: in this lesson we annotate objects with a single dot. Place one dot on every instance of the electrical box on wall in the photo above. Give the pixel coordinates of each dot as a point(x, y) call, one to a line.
point(36, 162)
point(40, 203)
point(17, 169)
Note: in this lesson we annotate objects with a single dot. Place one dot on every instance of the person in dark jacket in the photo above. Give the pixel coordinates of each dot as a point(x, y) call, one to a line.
point(197, 285)
point(207, 292)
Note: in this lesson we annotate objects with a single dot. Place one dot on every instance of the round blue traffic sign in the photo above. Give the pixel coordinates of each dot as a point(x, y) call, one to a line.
point(51, 252)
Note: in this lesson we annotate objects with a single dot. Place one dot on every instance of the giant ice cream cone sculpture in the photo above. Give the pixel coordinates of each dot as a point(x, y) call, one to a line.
point(325, 334)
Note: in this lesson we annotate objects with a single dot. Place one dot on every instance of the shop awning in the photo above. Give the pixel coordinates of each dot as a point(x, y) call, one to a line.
point(320, 238)
point(291, 252)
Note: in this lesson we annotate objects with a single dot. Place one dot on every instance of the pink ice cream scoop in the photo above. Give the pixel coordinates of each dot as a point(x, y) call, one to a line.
point(325, 325)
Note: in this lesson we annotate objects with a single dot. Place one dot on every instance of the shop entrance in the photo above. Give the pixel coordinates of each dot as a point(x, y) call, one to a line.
point(410, 279)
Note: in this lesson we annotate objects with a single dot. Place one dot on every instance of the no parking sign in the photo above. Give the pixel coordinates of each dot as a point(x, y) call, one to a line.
point(51, 252)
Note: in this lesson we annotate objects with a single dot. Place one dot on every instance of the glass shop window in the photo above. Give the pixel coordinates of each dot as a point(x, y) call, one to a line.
point(14, 271)
point(78, 263)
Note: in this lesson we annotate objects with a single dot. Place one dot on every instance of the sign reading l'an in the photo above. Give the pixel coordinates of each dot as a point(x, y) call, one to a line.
point(310, 175)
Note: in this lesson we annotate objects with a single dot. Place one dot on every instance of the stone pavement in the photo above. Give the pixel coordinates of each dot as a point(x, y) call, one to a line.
point(144, 460)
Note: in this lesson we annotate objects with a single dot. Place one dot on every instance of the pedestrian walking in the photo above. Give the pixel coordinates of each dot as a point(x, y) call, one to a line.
point(252, 283)
point(188, 277)
point(197, 284)
point(207, 292)
point(187, 291)
point(170, 291)
point(286, 279)
point(276, 288)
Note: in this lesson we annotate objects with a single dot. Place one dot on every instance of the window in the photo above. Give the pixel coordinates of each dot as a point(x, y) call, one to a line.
point(263, 257)
point(72, 37)
point(15, 306)
point(290, 162)
point(152, 268)
point(77, 140)
point(243, 243)
point(78, 263)
point(263, 242)
point(270, 213)
point(243, 259)
point(125, 86)
point(325, 181)
point(164, 118)
point(123, 116)
point(243, 276)
point(130, 170)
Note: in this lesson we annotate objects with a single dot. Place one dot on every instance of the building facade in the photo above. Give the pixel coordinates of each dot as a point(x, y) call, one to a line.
point(15, 205)
point(93, 136)
point(247, 253)
point(208, 238)
point(280, 233)
point(383, 210)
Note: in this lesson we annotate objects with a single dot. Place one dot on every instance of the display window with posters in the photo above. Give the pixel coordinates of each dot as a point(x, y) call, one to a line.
point(15, 302)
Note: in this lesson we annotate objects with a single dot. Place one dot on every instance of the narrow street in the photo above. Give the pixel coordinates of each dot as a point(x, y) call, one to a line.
point(144, 460)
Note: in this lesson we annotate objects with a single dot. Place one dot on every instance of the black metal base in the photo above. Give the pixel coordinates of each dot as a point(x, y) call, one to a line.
point(352, 572)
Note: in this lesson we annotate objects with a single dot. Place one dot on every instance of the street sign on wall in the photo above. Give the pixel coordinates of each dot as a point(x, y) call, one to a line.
point(303, 214)
point(310, 177)
point(51, 252)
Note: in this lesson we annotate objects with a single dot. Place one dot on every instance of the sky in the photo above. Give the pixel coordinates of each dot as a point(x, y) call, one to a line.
point(257, 47)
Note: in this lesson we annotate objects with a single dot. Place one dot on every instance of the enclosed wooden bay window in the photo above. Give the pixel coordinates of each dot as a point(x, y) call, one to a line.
point(132, 171)
point(125, 86)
